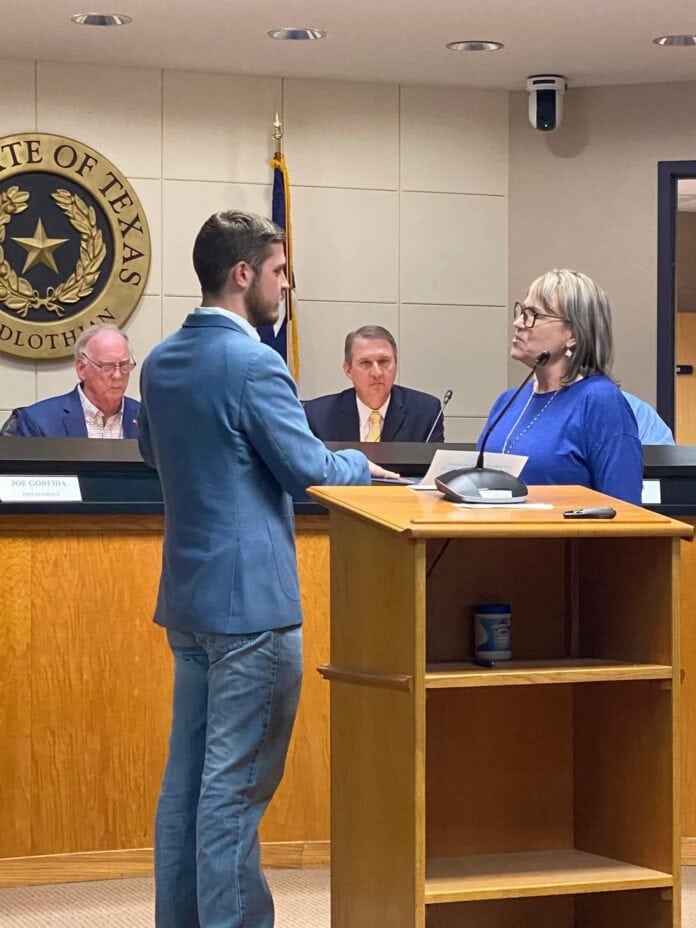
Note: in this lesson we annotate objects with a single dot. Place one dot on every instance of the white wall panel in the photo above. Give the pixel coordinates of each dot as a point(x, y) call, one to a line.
point(117, 111)
point(453, 249)
point(346, 244)
point(463, 430)
point(454, 140)
point(55, 377)
point(17, 381)
point(462, 348)
point(18, 109)
point(342, 134)
point(219, 126)
point(174, 310)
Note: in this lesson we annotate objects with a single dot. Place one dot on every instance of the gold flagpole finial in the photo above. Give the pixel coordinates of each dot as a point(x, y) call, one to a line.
point(278, 135)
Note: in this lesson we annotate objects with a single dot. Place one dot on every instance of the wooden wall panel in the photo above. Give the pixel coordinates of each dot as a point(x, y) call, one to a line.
point(688, 691)
point(15, 695)
point(101, 692)
point(685, 384)
point(86, 691)
point(300, 808)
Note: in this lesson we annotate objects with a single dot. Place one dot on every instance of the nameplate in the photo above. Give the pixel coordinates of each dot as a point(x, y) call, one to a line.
point(651, 494)
point(37, 488)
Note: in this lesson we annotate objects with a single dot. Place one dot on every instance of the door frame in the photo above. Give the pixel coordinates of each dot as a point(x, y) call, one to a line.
point(669, 173)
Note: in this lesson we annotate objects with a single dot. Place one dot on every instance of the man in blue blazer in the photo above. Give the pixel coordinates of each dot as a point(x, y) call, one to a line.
point(376, 409)
point(221, 422)
point(97, 407)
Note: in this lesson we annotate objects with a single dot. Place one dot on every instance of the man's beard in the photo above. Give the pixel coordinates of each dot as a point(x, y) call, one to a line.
point(260, 311)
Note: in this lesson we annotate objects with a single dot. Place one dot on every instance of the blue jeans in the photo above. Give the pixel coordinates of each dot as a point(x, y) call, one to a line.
point(235, 699)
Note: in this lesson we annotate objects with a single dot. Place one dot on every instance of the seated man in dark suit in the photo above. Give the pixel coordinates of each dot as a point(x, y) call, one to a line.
point(375, 409)
point(97, 407)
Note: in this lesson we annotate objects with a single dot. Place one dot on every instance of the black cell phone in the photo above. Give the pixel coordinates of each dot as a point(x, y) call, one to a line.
point(598, 513)
point(395, 481)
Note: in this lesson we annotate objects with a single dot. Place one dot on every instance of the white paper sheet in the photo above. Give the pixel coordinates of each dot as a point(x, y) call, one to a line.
point(518, 506)
point(444, 460)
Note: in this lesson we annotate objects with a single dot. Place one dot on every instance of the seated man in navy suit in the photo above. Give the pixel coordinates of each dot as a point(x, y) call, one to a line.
point(375, 409)
point(97, 407)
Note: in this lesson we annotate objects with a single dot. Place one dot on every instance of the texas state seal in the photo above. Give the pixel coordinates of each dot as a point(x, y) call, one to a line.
point(74, 244)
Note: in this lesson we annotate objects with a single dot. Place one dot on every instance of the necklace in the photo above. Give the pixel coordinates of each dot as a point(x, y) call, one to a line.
point(507, 444)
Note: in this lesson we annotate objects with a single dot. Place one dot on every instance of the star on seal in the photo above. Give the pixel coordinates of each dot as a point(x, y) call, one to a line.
point(40, 248)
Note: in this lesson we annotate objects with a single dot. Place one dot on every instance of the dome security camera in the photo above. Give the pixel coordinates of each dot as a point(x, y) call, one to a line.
point(546, 93)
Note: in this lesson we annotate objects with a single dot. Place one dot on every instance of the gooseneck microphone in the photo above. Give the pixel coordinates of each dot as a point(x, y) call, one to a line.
point(445, 400)
point(541, 360)
point(485, 484)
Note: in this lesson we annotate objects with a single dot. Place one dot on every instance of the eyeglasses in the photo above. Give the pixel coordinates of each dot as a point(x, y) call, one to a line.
point(110, 367)
point(529, 316)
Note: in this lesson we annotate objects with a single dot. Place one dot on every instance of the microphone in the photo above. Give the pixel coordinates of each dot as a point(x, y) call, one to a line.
point(541, 360)
point(482, 484)
point(445, 400)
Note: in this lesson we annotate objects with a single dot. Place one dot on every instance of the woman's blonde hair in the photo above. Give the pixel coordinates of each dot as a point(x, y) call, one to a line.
point(585, 307)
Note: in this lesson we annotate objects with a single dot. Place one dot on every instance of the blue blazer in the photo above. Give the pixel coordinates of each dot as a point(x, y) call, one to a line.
point(410, 416)
point(59, 416)
point(221, 423)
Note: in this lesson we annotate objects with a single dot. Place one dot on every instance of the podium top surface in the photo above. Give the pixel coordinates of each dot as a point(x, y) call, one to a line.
point(425, 514)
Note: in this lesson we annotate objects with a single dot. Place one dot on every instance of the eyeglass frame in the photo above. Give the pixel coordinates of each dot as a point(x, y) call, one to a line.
point(519, 309)
point(110, 367)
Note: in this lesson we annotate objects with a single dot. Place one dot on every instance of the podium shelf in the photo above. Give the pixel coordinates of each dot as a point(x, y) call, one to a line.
point(533, 873)
point(520, 673)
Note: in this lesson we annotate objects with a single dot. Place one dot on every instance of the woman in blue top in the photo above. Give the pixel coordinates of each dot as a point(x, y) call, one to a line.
point(571, 422)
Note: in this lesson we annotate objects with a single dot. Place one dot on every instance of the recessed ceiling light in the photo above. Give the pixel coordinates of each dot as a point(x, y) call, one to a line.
point(474, 45)
point(676, 40)
point(101, 19)
point(297, 35)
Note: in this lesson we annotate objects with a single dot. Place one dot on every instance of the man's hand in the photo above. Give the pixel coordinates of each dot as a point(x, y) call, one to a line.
point(377, 471)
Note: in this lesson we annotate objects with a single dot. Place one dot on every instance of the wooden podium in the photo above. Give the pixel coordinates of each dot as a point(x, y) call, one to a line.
point(543, 792)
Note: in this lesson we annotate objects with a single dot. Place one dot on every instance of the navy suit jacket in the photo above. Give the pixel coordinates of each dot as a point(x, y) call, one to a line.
point(221, 423)
point(410, 416)
point(59, 416)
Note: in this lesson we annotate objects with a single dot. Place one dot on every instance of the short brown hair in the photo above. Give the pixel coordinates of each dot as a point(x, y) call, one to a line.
point(367, 331)
point(227, 238)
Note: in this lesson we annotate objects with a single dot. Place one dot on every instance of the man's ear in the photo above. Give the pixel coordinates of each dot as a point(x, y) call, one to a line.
point(347, 369)
point(240, 275)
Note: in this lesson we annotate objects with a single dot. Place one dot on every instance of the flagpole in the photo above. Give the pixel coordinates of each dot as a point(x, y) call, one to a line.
point(278, 136)
point(278, 164)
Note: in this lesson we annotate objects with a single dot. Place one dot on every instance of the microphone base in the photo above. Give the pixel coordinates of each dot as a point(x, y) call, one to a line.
point(481, 485)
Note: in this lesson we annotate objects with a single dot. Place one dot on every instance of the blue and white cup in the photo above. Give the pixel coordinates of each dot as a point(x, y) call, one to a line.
point(492, 631)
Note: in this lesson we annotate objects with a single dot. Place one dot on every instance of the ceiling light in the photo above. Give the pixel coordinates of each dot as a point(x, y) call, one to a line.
point(297, 35)
point(474, 45)
point(676, 40)
point(101, 19)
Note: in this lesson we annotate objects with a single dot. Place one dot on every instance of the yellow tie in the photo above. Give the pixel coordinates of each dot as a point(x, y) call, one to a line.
point(374, 420)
